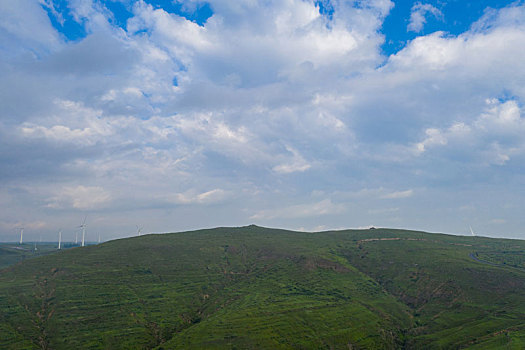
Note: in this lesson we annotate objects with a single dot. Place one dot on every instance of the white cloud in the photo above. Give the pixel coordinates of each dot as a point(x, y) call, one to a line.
point(373, 193)
point(296, 164)
point(324, 207)
point(261, 42)
point(208, 125)
point(398, 194)
point(418, 16)
point(494, 136)
point(85, 125)
point(434, 137)
point(80, 197)
point(178, 35)
point(208, 197)
point(487, 52)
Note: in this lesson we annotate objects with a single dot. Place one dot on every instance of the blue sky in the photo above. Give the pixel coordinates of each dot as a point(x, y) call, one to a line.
point(455, 17)
point(309, 115)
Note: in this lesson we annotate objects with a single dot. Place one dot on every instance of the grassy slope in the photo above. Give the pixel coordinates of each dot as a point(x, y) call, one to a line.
point(260, 288)
point(12, 253)
point(457, 301)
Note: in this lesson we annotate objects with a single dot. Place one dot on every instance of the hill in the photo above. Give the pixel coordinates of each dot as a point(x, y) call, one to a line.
point(253, 287)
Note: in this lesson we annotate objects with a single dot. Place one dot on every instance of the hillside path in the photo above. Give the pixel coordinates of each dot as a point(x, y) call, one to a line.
point(483, 261)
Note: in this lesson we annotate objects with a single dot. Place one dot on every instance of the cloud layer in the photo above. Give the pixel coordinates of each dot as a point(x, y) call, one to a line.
point(280, 113)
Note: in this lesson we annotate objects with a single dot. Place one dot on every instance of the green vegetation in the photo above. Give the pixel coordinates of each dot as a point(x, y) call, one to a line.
point(254, 287)
point(12, 253)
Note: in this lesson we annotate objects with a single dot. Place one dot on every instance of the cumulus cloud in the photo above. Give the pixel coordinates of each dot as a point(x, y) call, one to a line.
point(494, 136)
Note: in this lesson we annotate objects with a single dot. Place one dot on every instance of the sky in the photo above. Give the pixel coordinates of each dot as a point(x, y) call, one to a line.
point(175, 115)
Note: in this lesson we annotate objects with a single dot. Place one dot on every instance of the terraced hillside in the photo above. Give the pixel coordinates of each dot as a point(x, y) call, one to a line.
point(253, 287)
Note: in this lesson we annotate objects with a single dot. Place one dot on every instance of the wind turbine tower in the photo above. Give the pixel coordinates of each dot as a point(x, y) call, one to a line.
point(21, 235)
point(59, 238)
point(83, 227)
point(139, 230)
point(471, 231)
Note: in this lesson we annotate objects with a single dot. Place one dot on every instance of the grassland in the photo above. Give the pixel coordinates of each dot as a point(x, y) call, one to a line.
point(253, 287)
point(12, 253)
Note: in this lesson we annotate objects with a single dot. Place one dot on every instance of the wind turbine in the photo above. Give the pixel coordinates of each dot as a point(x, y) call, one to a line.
point(471, 231)
point(99, 238)
point(59, 238)
point(139, 230)
point(83, 227)
point(21, 235)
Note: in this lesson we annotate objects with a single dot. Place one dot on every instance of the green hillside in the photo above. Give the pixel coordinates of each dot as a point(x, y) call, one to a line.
point(12, 253)
point(253, 287)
